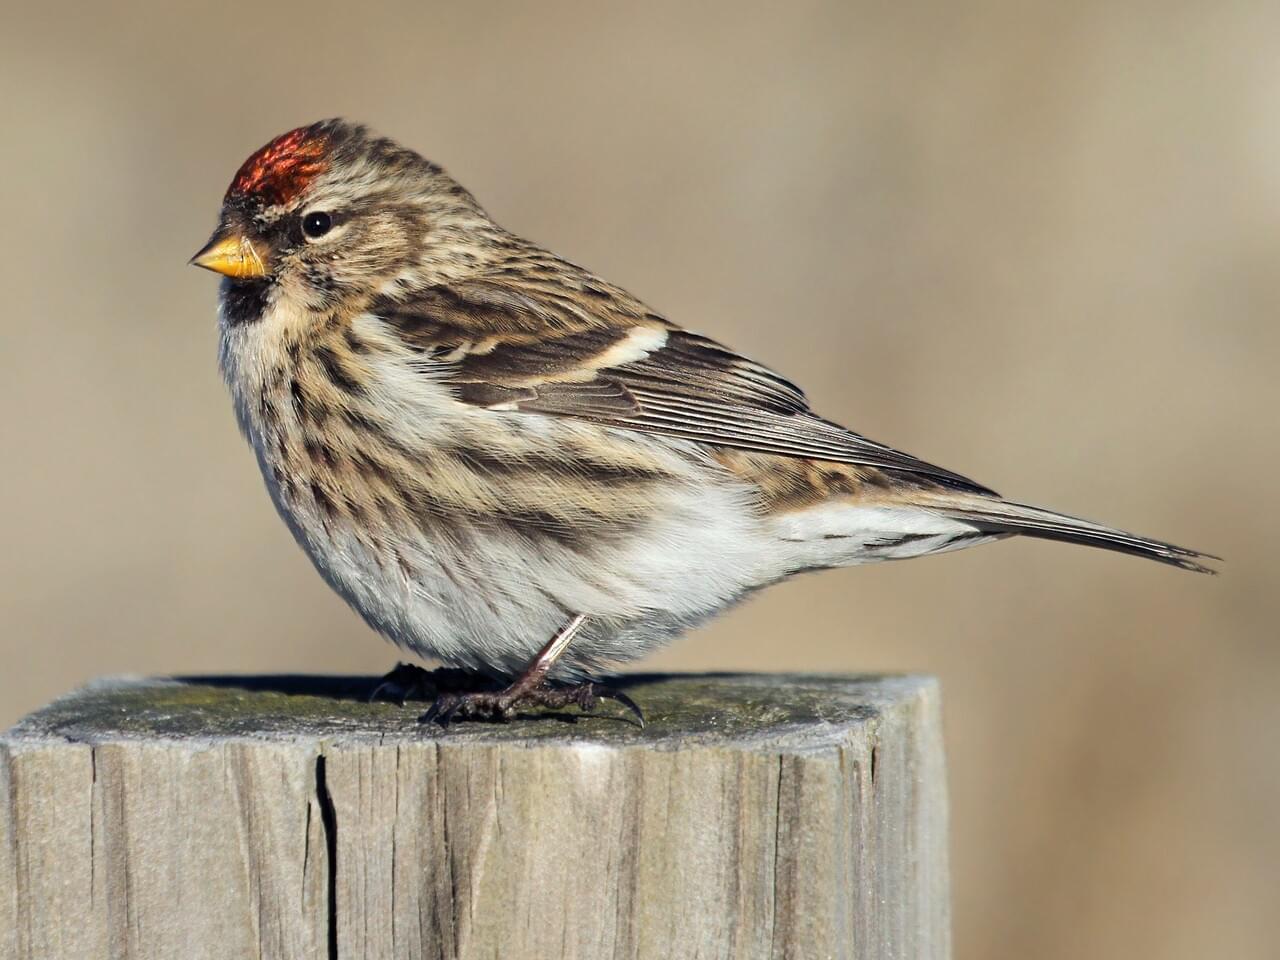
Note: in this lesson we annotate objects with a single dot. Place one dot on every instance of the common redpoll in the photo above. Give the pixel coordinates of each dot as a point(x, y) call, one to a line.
point(481, 446)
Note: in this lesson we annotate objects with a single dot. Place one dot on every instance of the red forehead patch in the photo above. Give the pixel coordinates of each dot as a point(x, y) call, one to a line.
point(283, 168)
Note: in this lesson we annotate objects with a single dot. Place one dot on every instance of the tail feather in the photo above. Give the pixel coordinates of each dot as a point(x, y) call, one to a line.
point(1005, 516)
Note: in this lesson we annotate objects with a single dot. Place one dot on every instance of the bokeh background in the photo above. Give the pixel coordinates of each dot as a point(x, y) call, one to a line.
point(1032, 241)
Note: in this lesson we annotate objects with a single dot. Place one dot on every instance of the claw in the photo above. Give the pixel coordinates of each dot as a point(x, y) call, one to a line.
point(404, 680)
point(397, 695)
point(447, 714)
point(626, 701)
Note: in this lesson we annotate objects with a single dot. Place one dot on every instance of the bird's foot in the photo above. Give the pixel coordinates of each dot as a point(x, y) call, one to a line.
point(502, 705)
point(408, 681)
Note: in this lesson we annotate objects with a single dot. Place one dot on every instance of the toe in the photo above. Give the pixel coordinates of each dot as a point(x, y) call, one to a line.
point(440, 711)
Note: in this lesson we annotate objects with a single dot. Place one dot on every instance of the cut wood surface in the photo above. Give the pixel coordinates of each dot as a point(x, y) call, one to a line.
point(771, 816)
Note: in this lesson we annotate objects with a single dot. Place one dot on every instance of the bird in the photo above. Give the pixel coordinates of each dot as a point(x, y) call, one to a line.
point(511, 466)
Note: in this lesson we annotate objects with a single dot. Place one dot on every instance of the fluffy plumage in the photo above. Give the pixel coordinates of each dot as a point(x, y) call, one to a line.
point(476, 441)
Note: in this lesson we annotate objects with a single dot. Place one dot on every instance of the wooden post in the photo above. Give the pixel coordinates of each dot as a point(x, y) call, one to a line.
point(284, 817)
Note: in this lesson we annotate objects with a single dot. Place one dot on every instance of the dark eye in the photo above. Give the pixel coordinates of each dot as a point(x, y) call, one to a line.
point(316, 224)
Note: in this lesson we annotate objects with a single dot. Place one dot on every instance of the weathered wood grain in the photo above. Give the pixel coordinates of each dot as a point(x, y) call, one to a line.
point(284, 817)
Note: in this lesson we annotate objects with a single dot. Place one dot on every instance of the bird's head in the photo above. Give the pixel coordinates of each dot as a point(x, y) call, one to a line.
point(330, 213)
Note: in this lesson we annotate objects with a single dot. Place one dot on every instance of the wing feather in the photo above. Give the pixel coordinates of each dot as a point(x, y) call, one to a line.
point(534, 344)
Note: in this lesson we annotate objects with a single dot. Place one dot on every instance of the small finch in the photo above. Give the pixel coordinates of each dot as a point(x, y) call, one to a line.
point(512, 466)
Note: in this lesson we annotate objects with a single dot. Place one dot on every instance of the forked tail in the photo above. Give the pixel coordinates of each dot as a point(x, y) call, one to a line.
point(1005, 516)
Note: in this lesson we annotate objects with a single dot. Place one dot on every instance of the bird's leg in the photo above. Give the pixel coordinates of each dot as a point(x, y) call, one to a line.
point(408, 681)
point(530, 689)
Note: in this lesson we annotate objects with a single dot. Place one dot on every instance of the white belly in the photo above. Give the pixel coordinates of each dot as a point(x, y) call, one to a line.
point(494, 603)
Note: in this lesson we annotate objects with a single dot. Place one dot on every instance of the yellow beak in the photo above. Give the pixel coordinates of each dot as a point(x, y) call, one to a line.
point(231, 256)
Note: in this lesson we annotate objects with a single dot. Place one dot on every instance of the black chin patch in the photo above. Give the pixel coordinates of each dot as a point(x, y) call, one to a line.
point(244, 301)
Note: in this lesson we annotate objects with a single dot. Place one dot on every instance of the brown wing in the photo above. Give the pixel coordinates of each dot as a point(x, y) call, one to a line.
point(580, 348)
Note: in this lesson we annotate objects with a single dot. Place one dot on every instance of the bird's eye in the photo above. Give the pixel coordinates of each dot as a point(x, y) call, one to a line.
point(316, 224)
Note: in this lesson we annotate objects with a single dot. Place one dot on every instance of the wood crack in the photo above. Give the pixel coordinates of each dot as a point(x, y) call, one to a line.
point(329, 824)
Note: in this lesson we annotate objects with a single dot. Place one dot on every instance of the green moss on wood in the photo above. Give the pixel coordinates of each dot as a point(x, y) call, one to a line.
point(676, 706)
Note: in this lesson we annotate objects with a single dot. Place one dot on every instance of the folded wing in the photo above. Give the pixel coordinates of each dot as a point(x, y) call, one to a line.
point(592, 352)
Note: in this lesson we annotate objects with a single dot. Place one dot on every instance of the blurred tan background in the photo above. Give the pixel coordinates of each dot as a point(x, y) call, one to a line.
point(1035, 242)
